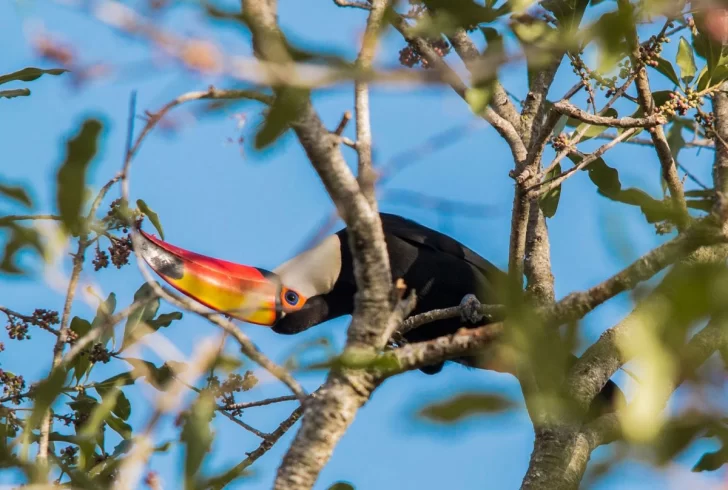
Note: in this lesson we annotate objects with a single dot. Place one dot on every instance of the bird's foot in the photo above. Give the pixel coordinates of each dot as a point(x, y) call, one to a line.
point(470, 309)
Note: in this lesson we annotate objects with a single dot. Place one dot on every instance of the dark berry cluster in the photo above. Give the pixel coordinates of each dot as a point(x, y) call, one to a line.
point(649, 54)
point(99, 353)
point(17, 326)
point(45, 318)
point(13, 385)
point(69, 455)
point(79, 419)
point(409, 56)
point(120, 249)
point(66, 419)
point(17, 329)
point(101, 259)
point(705, 119)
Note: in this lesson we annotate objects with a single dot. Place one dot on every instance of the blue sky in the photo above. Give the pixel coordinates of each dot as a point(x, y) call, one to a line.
point(258, 208)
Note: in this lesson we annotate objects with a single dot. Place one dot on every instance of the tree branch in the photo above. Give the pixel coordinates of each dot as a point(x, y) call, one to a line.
point(366, 176)
point(669, 170)
point(328, 414)
point(264, 447)
point(565, 107)
point(720, 164)
point(435, 61)
point(576, 305)
point(468, 52)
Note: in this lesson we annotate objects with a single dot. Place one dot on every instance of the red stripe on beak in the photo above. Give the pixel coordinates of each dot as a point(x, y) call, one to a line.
point(247, 293)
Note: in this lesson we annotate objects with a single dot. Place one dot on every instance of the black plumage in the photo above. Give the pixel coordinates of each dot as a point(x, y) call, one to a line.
point(440, 269)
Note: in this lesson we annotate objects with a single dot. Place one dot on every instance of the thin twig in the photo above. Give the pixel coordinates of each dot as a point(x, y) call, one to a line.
point(547, 185)
point(343, 123)
point(565, 107)
point(259, 403)
point(222, 481)
point(28, 319)
point(24, 217)
point(434, 315)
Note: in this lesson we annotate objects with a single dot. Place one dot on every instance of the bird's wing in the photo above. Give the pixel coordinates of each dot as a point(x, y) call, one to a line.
point(420, 235)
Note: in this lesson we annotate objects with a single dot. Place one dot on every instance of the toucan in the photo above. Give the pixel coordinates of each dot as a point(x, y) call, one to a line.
point(318, 285)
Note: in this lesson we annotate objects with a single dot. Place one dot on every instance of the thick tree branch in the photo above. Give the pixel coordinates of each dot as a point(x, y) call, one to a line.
point(328, 414)
point(720, 164)
point(570, 452)
point(576, 305)
point(415, 356)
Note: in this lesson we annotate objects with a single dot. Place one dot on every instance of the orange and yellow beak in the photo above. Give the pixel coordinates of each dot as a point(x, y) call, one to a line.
point(247, 293)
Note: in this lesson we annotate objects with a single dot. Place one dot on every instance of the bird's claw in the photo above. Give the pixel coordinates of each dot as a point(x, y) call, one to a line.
point(470, 309)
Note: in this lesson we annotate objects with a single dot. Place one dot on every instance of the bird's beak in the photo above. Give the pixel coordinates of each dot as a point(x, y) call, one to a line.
point(247, 293)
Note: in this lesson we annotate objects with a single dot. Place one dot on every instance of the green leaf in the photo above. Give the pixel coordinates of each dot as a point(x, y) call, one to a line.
point(287, 105)
point(686, 61)
point(119, 426)
point(153, 217)
point(121, 407)
point(122, 448)
point(711, 461)
point(445, 16)
point(607, 181)
point(16, 193)
point(142, 315)
point(660, 97)
point(92, 427)
point(81, 363)
point(104, 312)
point(71, 176)
point(341, 485)
point(83, 403)
point(568, 12)
point(478, 98)
point(196, 435)
point(30, 74)
point(157, 377)
point(164, 320)
point(21, 237)
point(11, 94)
point(550, 201)
point(463, 406)
point(666, 68)
point(122, 379)
point(675, 139)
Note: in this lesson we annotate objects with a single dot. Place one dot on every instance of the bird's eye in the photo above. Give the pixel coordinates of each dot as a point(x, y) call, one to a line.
point(291, 298)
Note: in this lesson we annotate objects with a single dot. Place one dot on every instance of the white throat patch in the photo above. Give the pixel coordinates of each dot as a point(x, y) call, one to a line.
point(314, 271)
